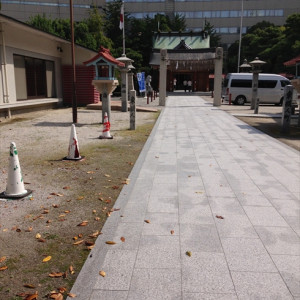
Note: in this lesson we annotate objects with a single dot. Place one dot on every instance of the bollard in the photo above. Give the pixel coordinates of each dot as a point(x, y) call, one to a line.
point(287, 109)
point(229, 99)
point(152, 96)
point(147, 98)
point(132, 109)
point(256, 106)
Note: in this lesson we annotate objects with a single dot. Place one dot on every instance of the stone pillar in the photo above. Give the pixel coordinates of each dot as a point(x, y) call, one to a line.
point(254, 89)
point(163, 77)
point(132, 109)
point(105, 105)
point(124, 90)
point(130, 83)
point(218, 76)
point(287, 109)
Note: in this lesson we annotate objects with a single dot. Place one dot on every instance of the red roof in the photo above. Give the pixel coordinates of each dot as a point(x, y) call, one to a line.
point(105, 53)
point(293, 61)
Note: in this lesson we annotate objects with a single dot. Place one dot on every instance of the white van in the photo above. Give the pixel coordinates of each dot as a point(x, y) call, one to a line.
point(239, 86)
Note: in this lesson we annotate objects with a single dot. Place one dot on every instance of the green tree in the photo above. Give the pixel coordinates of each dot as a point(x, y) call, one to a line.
point(215, 38)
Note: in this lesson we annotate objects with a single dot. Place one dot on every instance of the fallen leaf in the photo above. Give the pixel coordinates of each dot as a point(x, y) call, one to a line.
point(57, 296)
point(18, 230)
point(106, 175)
point(80, 197)
point(122, 239)
point(41, 240)
point(110, 243)
point(46, 211)
point(172, 231)
point(62, 289)
point(108, 214)
point(3, 268)
point(83, 223)
point(80, 235)
point(2, 259)
point(29, 229)
point(66, 187)
point(97, 219)
point(188, 253)
point(38, 236)
point(78, 242)
point(30, 286)
point(71, 295)
point(56, 274)
point(102, 273)
point(94, 211)
point(47, 258)
point(90, 172)
point(95, 234)
point(67, 211)
point(147, 221)
point(49, 221)
point(71, 270)
point(31, 296)
point(115, 187)
point(219, 217)
point(55, 205)
point(89, 243)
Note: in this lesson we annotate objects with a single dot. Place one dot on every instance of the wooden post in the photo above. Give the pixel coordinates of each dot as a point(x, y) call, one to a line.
point(132, 109)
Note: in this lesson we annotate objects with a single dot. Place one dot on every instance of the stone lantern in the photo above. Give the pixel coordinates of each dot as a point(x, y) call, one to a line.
point(256, 65)
point(105, 81)
point(124, 79)
point(245, 67)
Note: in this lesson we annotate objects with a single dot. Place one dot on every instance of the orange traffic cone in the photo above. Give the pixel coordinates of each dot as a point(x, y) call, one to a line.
point(15, 184)
point(106, 129)
point(73, 150)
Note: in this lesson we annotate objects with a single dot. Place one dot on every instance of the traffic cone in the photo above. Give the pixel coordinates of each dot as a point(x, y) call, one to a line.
point(106, 128)
point(15, 184)
point(73, 150)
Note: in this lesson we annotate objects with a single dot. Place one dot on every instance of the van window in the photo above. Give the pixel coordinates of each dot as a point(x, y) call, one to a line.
point(245, 83)
point(284, 83)
point(267, 84)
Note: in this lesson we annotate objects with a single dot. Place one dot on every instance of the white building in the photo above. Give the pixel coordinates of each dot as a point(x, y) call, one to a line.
point(35, 69)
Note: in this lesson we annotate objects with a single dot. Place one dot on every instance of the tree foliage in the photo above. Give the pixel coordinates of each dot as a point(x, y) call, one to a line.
point(273, 44)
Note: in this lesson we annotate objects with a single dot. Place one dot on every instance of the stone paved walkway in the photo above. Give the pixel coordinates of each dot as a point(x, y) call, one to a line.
point(215, 188)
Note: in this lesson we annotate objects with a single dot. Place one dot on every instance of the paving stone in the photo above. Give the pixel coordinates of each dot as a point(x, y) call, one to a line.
point(279, 240)
point(267, 286)
point(206, 273)
point(235, 226)
point(198, 237)
point(264, 216)
point(248, 199)
point(248, 255)
point(158, 252)
point(294, 222)
point(163, 204)
point(118, 266)
point(202, 296)
point(109, 295)
point(196, 214)
point(287, 207)
point(289, 268)
point(225, 206)
point(155, 284)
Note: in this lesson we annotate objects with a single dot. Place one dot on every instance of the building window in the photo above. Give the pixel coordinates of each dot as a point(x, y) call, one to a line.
point(34, 78)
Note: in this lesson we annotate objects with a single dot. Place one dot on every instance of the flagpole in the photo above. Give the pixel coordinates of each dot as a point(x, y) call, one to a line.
point(123, 10)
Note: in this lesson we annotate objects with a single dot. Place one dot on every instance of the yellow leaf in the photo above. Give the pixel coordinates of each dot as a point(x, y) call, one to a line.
point(78, 242)
point(83, 223)
point(80, 197)
point(29, 229)
point(30, 286)
point(110, 243)
point(90, 172)
point(106, 175)
point(102, 273)
point(38, 236)
point(95, 234)
point(71, 270)
point(2, 259)
point(71, 295)
point(188, 253)
point(47, 258)
point(94, 211)
point(56, 274)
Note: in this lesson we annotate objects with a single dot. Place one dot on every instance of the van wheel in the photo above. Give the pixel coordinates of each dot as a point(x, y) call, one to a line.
point(240, 100)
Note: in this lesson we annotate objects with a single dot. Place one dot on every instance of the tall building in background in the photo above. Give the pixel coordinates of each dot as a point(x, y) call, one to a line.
point(224, 15)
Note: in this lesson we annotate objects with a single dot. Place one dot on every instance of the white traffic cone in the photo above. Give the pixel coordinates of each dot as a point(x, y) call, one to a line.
point(15, 184)
point(73, 150)
point(106, 129)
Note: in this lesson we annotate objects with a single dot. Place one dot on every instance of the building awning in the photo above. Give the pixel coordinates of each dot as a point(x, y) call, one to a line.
point(292, 62)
